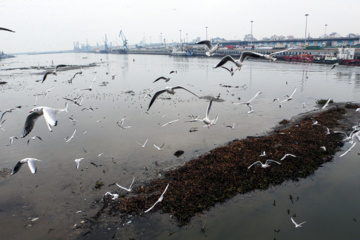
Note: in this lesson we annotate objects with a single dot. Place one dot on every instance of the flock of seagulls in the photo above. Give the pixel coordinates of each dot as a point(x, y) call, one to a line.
point(51, 120)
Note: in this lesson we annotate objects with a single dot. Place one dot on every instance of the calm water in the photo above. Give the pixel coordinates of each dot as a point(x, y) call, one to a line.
point(327, 201)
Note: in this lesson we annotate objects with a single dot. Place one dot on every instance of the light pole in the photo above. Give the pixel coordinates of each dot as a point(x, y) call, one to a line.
point(180, 37)
point(306, 15)
point(251, 33)
point(325, 29)
point(187, 39)
point(160, 38)
point(206, 33)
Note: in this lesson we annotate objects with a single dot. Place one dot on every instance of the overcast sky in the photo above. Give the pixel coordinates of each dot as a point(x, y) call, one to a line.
point(51, 25)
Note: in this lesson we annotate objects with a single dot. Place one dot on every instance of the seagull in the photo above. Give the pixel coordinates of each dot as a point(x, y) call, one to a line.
point(323, 148)
point(143, 145)
point(72, 136)
point(170, 122)
point(159, 148)
point(1, 123)
point(169, 90)
point(211, 48)
point(77, 161)
point(243, 56)
point(127, 189)
point(326, 104)
point(165, 78)
point(113, 196)
point(231, 126)
point(289, 98)
point(7, 111)
point(121, 124)
point(208, 122)
point(46, 74)
point(314, 121)
point(286, 155)
point(31, 163)
point(348, 137)
point(71, 79)
point(5, 29)
point(50, 116)
point(334, 65)
point(263, 154)
point(60, 66)
point(77, 101)
point(267, 163)
point(357, 110)
point(159, 200)
point(248, 102)
point(297, 225)
point(89, 88)
point(12, 139)
point(32, 138)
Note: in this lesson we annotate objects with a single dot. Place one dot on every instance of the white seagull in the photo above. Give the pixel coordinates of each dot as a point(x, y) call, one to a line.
point(12, 139)
point(169, 90)
point(248, 102)
point(72, 136)
point(296, 224)
point(143, 145)
point(165, 78)
point(77, 161)
point(127, 189)
point(31, 163)
point(289, 98)
point(159, 200)
point(46, 74)
point(208, 122)
point(50, 116)
point(211, 48)
point(33, 138)
point(159, 148)
point(113, 195)
point(121, 124)
point(243, 56)
point(264, 165)
point(352, 146)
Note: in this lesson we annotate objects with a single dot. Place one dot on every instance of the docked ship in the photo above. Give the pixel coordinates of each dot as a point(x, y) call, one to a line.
point(308, 58)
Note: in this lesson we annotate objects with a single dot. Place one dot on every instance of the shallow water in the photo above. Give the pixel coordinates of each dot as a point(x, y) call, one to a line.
point(327, 201)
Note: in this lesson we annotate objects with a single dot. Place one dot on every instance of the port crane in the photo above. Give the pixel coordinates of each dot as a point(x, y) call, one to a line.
point(121, 34)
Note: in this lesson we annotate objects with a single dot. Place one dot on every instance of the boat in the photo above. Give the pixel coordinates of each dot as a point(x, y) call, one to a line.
point(346, 56)
point(326, 59)
point(176, 51)
point(300, 58)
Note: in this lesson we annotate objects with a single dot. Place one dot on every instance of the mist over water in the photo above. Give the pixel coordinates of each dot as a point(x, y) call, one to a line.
point(327, 201)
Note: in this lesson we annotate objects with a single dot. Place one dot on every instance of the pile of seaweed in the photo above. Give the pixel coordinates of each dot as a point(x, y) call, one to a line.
point(223, 172)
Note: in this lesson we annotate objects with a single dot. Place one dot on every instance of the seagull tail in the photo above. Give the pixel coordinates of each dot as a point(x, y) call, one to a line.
point(66, 107)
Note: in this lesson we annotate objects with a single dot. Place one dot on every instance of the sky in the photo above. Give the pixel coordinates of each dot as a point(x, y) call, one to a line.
point(54, 25)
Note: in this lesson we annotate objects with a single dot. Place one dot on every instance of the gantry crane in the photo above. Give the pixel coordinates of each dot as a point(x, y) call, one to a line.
point(121, 34)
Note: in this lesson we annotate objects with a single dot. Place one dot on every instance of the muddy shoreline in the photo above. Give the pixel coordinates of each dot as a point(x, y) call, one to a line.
point(223, 172)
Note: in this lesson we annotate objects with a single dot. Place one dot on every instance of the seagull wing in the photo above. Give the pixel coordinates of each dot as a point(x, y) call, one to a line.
point(132, 183)
point(206, 42)
point(254, 96)
point(179, 87)
point(208, 108)
point(292, 94)
point(123, 187)
point(226, 68)
point(159, 78)
point(50, 117)
point(255, 163)
point(274, 53)
point(154, 98)
point(172, 72)
point(45, 76)
point(5, 29)
point(270, 161)
point(224, 60)
point(294, 221)
point(32, 164)
point(30, 122)
point(151, 207)
point(244, 55)
point(59, 66)
point(17, 167)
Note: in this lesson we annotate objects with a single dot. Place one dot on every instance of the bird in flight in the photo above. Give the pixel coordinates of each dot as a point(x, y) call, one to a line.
point(211, 48)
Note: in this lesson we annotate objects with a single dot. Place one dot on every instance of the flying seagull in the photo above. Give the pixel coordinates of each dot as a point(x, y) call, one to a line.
point(165, 78)
point(143, 145)
point(77, 161)
point(170, 122)
point(169, 90)
point(296, 224)
point(127, 189)
point(264, 165)
point(31, 163)
point(207, 120)
point(288, 98)
point(72, 136)
point(248, 102)
point(211, 48)
point(71, 79)
point(243, 56)
point(46, 74)
point(50, 116)
point(33, 138)
point(5, 29)
point(326, 104)
point(12, 139)
point(287, 155)
point(159, 148)
point(159, 200)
